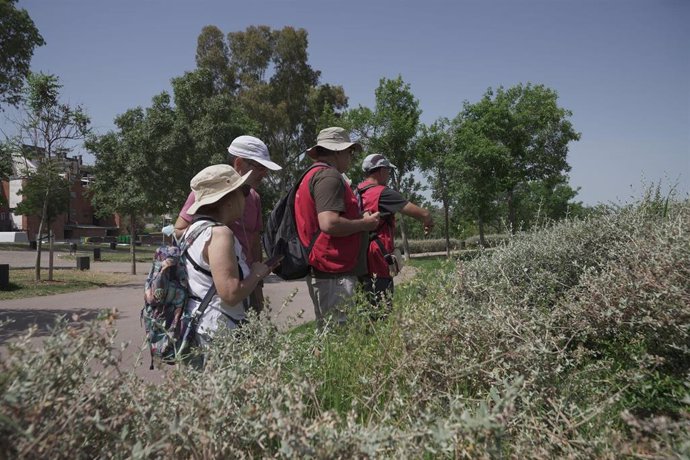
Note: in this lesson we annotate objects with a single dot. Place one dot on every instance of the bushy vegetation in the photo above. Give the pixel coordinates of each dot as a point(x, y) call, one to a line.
point(572, 341)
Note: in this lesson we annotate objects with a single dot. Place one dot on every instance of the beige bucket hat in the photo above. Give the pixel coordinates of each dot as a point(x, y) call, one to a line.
point(333, 138)
point(213, 183)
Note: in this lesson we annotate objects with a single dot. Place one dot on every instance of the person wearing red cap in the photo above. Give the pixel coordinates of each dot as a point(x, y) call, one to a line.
point(246, 154)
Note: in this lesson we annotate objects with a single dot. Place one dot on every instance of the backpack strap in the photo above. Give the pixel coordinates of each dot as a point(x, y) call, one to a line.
point(291, 202)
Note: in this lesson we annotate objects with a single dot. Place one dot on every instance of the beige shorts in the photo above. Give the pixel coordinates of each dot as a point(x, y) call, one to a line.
point(331, 297)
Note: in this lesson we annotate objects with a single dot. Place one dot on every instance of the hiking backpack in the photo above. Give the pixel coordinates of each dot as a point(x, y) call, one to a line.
point(166, 292)
point(280, 236)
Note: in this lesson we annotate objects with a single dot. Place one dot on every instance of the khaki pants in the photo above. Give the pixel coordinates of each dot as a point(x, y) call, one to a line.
point(331, 297)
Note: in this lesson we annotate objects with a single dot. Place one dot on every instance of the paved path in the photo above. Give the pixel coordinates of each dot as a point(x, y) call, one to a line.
point(289, 304)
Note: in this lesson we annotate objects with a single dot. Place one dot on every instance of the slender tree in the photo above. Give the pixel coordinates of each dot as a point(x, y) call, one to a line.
point(18, 38)
point(435, 150)
point(123, 182)
point(46, 193)
point(50, 129)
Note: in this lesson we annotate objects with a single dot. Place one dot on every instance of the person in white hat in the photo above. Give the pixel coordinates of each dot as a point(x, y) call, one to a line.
point(328, 220)
point(214, 256)
point(376, 196)
point(245, 154)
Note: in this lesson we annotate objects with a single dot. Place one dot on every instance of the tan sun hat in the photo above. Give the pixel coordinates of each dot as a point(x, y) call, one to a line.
point(333, 138)
point(213, 183)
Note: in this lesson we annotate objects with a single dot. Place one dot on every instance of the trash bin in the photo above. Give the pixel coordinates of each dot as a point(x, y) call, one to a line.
point(4, 276)
point(96, 254)
point(33, 244)
point(83, 263)
point(113, 245)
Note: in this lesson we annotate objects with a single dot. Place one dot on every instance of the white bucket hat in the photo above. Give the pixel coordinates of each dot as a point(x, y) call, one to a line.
point(335, 139)
point(213, 183)
point(376, 160)
point(252, 148)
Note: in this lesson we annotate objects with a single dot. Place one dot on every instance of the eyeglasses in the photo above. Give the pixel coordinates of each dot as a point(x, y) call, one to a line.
point(256, 165)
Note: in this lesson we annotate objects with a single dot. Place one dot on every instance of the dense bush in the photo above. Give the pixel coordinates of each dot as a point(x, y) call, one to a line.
point(573, 341)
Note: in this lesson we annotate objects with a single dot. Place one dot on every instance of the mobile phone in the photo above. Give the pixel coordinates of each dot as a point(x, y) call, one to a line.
point(274, 261)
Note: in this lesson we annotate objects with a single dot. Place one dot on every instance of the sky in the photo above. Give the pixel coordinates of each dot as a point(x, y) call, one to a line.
point(621, 66)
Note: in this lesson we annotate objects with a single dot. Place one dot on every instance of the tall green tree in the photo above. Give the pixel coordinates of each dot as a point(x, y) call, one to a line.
point(18, 38)
point(526, 133)
point(123, 181)
point(281, 91)
point(391, 129)
point(435, 150)
point(51, 129)
point(46, 193)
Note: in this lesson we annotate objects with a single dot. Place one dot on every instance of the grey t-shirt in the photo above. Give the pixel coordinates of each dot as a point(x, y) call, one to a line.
point(328, 189)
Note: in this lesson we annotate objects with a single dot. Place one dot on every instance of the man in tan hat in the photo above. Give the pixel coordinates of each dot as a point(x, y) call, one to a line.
point(246, 154)
point(327, 216)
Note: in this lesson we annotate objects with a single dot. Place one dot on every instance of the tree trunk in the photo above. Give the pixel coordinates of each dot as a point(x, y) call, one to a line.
point(511, 212)
point(44, 212)
point(482, 241)
point(50, 253)
point(39, 239)
point(447, 226)
point(131, 244)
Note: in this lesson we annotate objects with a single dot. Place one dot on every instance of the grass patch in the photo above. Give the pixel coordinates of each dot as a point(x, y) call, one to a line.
point(22, 282)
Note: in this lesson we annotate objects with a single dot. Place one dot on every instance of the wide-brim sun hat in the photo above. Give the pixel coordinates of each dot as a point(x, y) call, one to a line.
point(335, 139)
point(375, 161)
point(252, 148)
point(213, 183)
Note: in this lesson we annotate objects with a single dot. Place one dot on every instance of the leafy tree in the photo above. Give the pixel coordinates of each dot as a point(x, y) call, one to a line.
point(5, 161)
point(50, 129)
point(434, 152)
point(511, 138)
point(46, 193)
point(206, 120)
point(277, 89)
point(391, 129)
point(123, 182)
point(18, 38)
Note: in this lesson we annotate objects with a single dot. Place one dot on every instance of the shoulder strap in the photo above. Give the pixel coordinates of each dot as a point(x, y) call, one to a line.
point(188, 240)
point(291, 199)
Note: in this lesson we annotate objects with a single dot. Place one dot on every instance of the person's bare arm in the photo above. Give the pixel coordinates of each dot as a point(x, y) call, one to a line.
point(220, 253)
point(180, 226)
point(420, 214)
point(334, 224)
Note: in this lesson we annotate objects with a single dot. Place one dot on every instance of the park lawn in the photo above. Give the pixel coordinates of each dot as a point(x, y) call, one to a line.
point(22, 282)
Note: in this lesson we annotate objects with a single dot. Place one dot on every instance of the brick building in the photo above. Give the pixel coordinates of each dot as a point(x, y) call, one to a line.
point(80, 219)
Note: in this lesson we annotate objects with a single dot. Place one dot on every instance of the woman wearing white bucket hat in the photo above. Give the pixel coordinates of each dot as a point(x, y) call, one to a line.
point(214, 256)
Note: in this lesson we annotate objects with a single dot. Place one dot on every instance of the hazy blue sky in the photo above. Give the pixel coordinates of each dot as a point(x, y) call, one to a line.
point(622, 67)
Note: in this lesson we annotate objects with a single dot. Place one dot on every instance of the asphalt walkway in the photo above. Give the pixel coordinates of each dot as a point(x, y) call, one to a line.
point(290, 304)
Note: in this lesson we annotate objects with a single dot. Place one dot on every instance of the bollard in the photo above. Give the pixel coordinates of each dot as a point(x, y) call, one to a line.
point(83, 263)
point(4, 277)
point(96, 254)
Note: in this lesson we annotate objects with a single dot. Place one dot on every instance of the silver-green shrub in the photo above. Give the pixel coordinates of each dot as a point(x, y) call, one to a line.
point(572, 341)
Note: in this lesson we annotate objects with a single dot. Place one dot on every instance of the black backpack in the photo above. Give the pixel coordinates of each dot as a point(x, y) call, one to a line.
point(280, 236)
